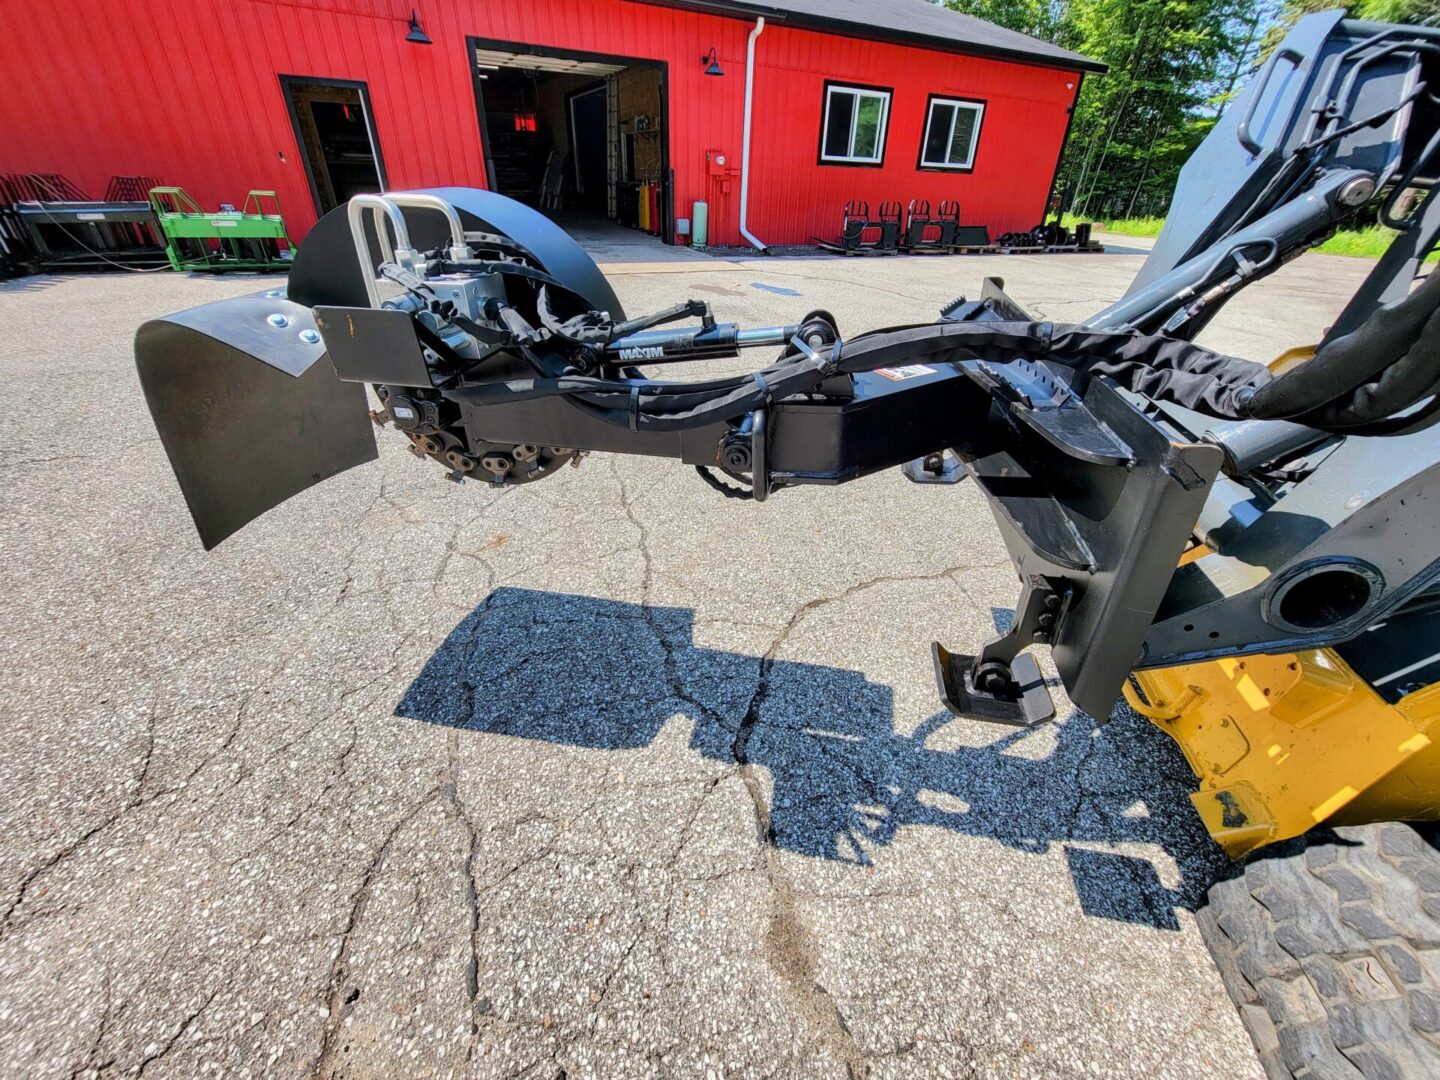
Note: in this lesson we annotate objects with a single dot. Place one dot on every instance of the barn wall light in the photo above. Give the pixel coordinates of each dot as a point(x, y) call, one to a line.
point(417, 35)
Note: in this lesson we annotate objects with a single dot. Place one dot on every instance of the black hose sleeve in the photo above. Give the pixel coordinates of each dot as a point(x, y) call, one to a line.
point(718, 409)
point(659, 406)
point(1195, 378)
point(667, 396)
point(1419, 419)
point(1396, 415)
point(1160, 367)
point(1378, 369)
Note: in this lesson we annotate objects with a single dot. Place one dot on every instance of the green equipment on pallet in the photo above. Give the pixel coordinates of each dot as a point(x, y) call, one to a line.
point(229, 239)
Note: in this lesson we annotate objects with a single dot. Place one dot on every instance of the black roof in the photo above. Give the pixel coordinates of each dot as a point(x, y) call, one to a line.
point(910, 22)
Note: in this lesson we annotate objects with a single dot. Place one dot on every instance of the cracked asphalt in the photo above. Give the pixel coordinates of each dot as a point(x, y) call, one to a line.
point(603, 776)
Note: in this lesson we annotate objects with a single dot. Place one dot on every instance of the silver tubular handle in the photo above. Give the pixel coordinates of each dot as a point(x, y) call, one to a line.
point(401, 253)
point(459, 250)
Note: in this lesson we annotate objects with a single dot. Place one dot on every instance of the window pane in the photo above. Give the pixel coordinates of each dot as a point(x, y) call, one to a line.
point(960, 145)
point(936, 139)
point(867, 127)
point(837, 126)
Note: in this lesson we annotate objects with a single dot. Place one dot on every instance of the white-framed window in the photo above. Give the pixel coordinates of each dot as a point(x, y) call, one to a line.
point(952, 130)
point(852, 127)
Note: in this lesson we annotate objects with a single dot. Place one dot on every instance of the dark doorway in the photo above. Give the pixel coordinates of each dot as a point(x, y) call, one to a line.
point(336, 135)
point(589, 137)
point(582, 137)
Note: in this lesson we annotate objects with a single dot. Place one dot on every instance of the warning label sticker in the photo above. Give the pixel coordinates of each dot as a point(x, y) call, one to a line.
point(908, 371)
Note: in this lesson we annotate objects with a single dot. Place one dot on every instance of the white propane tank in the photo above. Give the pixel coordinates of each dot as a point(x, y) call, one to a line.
point(701, 224)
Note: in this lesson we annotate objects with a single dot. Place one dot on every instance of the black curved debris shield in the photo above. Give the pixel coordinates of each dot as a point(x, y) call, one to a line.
point(248, 408)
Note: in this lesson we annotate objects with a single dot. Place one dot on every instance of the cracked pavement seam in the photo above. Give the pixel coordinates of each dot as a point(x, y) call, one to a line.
point(358, 902)
point(136, 800)
point(791, 947)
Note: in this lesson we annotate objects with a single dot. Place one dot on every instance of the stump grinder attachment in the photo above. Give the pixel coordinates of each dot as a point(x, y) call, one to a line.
point(1299, 504)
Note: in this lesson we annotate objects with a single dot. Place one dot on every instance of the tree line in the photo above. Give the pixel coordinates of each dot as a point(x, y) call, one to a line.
point(1174, 67)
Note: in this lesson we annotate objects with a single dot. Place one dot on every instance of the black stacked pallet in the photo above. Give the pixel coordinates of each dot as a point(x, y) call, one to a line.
point(861, 234)
point(63, 229)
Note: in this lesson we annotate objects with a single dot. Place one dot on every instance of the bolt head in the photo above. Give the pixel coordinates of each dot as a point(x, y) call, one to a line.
point(278, 320)
point(310, 337)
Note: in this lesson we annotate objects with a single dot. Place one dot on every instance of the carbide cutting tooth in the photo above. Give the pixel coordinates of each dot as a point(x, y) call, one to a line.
point(947, 309)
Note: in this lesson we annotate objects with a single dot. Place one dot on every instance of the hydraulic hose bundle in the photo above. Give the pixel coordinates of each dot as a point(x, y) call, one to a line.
point(1363, 383)
point(1358, 383)
point(1354, 385)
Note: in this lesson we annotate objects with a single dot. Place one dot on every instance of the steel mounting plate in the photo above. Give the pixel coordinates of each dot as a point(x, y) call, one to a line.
point(1112, 534)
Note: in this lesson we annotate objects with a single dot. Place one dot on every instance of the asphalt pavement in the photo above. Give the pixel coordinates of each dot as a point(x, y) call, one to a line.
point(602, 776)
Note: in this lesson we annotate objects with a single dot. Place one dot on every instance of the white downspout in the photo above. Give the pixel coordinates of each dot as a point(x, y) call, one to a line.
point(745, 141)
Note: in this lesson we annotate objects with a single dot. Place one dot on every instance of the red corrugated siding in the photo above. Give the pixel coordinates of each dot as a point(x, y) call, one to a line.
point(189, 92)
point(793, 198)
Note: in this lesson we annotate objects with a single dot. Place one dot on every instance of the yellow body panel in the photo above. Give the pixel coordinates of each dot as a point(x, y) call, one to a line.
point(1283, 743)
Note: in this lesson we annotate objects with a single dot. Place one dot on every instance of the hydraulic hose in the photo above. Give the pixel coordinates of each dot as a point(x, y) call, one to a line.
point(1355, 384)
point(1150, 364)
point(1386, 365)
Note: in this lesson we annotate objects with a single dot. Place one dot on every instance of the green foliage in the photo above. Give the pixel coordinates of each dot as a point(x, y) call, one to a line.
point(1291, 12)
point(1146, 226)
point(1038, 18)
point(1368, 242)
point(1173, 64)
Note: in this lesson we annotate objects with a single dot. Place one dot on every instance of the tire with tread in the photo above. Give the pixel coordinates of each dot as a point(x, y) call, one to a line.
point(1330, 947)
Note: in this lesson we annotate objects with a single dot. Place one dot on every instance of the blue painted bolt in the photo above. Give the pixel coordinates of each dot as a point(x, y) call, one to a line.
point(310, 337)
point(278, 320)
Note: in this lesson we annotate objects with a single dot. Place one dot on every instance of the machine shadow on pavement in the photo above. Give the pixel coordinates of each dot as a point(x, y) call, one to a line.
point(607, 675)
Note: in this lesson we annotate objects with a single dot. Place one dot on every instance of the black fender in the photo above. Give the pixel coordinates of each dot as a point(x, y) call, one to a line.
point(326, 270)
point(248, 407)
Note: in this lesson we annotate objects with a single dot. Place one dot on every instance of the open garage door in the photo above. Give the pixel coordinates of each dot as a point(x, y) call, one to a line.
point(580, 136)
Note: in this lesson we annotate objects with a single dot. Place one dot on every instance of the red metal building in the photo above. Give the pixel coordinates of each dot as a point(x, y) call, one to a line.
point(599, 100)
